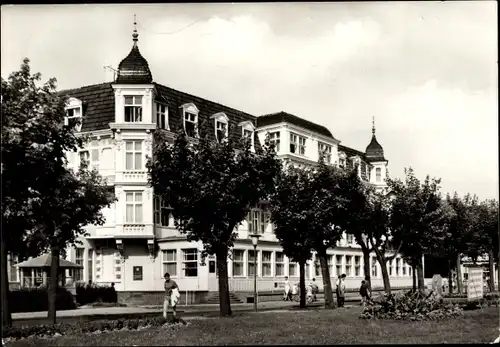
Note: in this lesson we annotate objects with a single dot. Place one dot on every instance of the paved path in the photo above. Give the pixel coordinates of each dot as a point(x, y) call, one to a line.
point(190, 310)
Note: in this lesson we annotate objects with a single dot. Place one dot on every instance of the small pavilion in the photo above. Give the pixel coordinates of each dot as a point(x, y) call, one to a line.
point(35, 271)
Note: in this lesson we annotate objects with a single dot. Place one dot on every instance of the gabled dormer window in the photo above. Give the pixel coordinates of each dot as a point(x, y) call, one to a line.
point(162, 116)
point(133, 108)
point(248, 132)
point(342, 160)
point(221, 126)
point(190, 119)
point(74, 114)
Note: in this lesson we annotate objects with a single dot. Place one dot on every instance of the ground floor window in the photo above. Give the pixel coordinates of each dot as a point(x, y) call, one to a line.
point(374, 267)
point(190, 262)
point(398, 261)
point(280, 264)
point(391, 266)
point(78, 274)
point(169, 260)
point(292, 270)
point(90, 264)
point(404, 269)
point(338, 261)
point(330, 264)
point(317, 267)
point(251, 259)
point(348, 265)
point(357, 265)
point(238, 262)
point(267, 263)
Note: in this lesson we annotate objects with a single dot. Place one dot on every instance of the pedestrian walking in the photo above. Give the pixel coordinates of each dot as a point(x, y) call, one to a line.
point(169, 286)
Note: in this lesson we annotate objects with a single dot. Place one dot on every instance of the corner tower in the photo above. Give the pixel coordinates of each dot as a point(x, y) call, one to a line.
point(375, 156)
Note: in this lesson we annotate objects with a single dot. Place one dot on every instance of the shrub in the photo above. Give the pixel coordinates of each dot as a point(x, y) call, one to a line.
point(36, 299)
point(87, 327)
point(91, 294)
point(409, 307)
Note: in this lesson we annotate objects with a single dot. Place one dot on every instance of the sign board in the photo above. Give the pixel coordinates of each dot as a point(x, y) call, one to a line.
point(137, 273)
point(475, 283)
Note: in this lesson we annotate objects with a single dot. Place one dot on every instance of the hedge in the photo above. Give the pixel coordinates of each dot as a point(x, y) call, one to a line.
point(87, 327)
point(90, 294)
point(37, 299)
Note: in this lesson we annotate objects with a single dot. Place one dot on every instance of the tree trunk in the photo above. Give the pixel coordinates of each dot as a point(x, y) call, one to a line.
point(225, 304)
point(327, 281)
point(459, 274)
point(450, 278)
point(6, 316)
point(491, 261)
point(53, 283)
point(383, 267)
point(302, 284)
point(414, 275)
point(366, 267)
point(420, 277)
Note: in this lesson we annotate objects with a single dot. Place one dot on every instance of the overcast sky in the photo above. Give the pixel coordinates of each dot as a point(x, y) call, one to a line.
point(427, 71)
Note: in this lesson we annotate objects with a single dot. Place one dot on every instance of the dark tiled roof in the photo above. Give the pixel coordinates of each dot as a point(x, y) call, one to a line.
point(279, 117)
point(374, 151)
point(98, 105)
point(350, 152)
point(134, 69)
point(206, 126)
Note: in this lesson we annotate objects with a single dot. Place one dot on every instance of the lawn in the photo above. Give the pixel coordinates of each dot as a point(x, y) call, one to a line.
point(339, 326)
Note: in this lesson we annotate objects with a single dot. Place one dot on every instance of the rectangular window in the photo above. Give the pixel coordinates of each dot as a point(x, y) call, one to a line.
point(348, 265)
point(13, 273)
point(220, 130)
point(247, 134)
point(162, 212)
point(133, 109)
point(357, 265)
point(330, 264)
point(350, 239)
point(250, 263)
point(78, 274)
point(74, 118)
point(191, 124)
point(133, 211)
point(280, 264)
point(297, 144)
point(161, 116)
point(404, 269)
point(342, 163)
point(338, 264)
point(137, 273)
point(190, 262)
point(391, 266)
point(118, 265)
point(238, 262)
point(90, 264)
point(378, 174)
point(169, 260)
point(374, 267)
point(292, 270)
point(398, 264)
point(257, 219)
point(274, 138)
point(133, 156)
point(266, 263)
point(326, 151)
point(84, 159)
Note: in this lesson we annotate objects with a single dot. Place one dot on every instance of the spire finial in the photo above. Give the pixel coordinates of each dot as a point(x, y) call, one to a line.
point(373, 125)
point(135, 35)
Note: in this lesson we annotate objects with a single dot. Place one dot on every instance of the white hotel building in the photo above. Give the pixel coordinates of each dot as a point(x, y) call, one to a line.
point(138, 242)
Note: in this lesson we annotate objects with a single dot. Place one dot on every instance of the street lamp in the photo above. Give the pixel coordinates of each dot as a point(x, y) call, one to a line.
point(255, 241)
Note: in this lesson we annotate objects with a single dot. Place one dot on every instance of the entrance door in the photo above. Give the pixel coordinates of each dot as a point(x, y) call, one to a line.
point(213, 284)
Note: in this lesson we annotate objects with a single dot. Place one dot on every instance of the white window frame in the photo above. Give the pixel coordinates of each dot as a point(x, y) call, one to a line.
point(274, 138)
point(348, 264)
point(160, 210)
point(136, 106)
point(239, 261)
point(135, 153)
point(250, 262)
point(329, 259)
point(79, 260)
point(94, 154)
point(188, 264)
point(190, 109)
point(166, 261)
point(117, 266)
point(342, 160)
point(266, 264)
point(74, 104)
point(357, 266)
point(136, 204)
point(391, 267)
point(258, 219)
point(326, 150)
point(84, 158)
point(279, 264)
point(299, 143)
point(349, 239)
point(378, 174)
point(90, 264)
point(403, 269)
point(338, 264)
point(398, 266)
point(162, 116)
point(248, 132)
point(221, 121)
point(374, 268)
point(295, 267)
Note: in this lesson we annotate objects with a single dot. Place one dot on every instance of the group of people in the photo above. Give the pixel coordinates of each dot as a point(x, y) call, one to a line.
point(312, 289)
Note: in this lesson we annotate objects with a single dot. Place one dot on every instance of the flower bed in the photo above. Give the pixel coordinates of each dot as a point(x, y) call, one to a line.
point(412, 307)
point(44, 331)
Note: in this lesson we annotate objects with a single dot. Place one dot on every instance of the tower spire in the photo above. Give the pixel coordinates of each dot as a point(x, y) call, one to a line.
point(135, 35)
point(373, 125)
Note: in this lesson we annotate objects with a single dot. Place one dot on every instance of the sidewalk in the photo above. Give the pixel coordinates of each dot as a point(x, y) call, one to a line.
point(95, 313)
